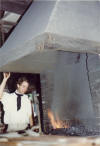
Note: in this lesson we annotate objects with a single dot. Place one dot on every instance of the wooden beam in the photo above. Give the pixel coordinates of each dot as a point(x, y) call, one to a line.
point(15, 6)
point(2, 35)
point(1, 13)
point(2, 22)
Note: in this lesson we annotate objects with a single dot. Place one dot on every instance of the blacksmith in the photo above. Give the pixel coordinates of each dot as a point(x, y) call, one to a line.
point(17, 106)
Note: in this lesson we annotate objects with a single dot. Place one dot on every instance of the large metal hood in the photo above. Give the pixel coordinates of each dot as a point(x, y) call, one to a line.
point(48, 26)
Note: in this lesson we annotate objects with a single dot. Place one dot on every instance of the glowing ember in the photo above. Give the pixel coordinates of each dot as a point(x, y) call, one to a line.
point(56, 122)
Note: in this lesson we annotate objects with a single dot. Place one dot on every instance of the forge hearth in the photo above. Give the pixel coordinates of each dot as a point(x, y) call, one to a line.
point(74, 131)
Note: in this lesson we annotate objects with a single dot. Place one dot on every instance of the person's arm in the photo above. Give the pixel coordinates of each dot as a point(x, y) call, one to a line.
point(31, 121)
point(31, 117)
point(3, 84)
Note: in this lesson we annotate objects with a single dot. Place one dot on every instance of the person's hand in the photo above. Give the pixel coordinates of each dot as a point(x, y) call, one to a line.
point(6, 75)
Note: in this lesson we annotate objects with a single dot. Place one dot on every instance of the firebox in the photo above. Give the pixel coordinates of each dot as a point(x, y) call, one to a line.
point(70, 95)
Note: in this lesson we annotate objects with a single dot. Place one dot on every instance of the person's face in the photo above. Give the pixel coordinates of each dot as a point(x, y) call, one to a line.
point(23, 87)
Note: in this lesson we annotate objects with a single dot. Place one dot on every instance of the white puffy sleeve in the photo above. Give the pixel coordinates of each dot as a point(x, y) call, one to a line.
point(5, 97)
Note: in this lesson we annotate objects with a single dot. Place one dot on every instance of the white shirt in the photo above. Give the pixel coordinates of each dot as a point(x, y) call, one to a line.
point(16, 120)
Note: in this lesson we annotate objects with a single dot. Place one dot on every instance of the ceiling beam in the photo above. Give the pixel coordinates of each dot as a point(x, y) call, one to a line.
point(2, 22)
point(1, 13)
point(15, 6)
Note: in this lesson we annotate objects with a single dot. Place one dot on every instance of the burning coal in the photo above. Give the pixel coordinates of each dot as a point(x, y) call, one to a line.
point(56, 122)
